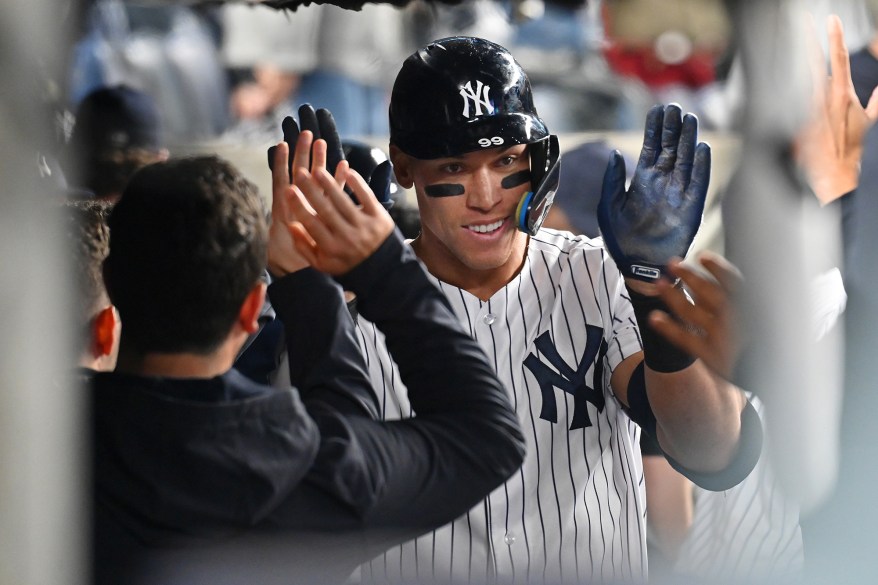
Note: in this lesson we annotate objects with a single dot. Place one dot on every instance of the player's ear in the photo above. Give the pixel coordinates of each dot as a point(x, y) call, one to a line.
point(402, 167)
point(248, 316)
point(103, 331)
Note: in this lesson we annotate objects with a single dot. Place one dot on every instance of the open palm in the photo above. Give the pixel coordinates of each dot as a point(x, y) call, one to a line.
point(657, 217)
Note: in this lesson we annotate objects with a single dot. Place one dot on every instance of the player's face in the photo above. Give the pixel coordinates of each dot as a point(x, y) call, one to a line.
point(467, 205)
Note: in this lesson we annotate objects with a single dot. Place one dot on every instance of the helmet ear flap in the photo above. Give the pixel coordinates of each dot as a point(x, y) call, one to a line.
point(545, 171)
point(544, 155)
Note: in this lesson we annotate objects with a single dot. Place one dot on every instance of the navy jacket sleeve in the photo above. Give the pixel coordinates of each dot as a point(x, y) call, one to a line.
point(325, 361)
point(422, 472)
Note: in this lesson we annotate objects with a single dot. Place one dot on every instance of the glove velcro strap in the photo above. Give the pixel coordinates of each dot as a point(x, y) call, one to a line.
point(645, 271)
point(659, 354)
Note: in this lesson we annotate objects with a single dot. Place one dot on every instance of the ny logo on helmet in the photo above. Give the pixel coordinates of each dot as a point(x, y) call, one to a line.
point(478, 97)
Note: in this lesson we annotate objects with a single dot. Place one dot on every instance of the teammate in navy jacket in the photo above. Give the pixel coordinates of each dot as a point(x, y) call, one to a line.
point(203, 476)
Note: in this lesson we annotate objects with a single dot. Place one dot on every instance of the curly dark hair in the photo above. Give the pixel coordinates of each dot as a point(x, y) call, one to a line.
point(88, 243)
point(188, 242)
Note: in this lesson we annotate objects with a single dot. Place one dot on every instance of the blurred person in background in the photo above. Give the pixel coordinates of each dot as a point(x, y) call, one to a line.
point(665, 51)
point(864, 62)
point(168, 51)
point(579, 189)
point(116, 132)
point(319, 54)
point(561, 42)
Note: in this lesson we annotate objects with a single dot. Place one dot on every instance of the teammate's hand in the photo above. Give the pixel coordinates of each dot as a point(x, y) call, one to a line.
point(707, 329)
point(332, 232)
point(830, 146)
point(657, 218)
point(299, 150)
point(283, 258)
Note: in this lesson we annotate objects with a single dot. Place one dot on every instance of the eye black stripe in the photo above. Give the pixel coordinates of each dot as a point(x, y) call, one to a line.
point(444, 190)
point(515, 179)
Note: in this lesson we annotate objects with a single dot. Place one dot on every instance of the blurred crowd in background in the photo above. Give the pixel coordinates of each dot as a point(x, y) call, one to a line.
point(237, 69)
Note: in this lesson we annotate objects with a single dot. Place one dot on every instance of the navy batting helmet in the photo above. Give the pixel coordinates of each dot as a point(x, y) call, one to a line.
point(463, 94)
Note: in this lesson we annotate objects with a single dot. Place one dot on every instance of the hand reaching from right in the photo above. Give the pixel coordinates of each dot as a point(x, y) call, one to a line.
point(830, 147)
point(708, 328)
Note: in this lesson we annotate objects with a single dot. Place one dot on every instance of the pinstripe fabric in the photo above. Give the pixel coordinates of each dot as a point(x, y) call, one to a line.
point(575, 511)
point(747, 534)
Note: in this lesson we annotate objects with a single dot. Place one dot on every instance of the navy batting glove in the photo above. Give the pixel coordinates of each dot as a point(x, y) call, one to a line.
point(657, 218)
point(322, 125)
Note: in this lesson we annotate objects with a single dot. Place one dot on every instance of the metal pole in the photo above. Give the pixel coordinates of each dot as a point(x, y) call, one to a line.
point(776, 234)
point(43, 522)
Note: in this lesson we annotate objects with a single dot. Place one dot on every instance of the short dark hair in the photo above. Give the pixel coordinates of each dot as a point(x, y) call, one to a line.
point(188, 242)
point(88, 242)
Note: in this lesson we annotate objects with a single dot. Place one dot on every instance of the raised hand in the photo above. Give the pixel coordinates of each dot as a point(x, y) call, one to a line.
point(332, 232)
point(657, 217)
point(283, 258)
point(830, 146)
point(302, 149)
point(707, 329)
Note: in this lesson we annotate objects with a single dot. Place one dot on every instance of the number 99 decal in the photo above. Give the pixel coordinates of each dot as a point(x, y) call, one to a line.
point(493, 141)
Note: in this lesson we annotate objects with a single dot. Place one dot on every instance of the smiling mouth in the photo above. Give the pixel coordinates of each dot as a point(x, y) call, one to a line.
point(486, 228)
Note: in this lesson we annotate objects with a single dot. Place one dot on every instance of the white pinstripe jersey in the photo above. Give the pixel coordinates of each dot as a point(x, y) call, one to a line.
point(749, 533)
point(575, 512)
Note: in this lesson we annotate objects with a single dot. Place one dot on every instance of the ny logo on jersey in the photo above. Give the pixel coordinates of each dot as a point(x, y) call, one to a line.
point(478, 97)
point(569, 380)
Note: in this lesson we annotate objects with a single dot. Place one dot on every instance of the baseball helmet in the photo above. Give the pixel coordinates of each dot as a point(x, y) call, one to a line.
point(364, 159)
point(463, 94)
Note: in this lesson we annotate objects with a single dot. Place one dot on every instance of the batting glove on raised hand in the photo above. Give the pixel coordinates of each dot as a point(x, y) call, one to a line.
point(657, 218)
point(322, 125)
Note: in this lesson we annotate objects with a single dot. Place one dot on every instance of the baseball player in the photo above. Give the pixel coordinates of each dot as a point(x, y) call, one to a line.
point(562, 319)
point(558, 317)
